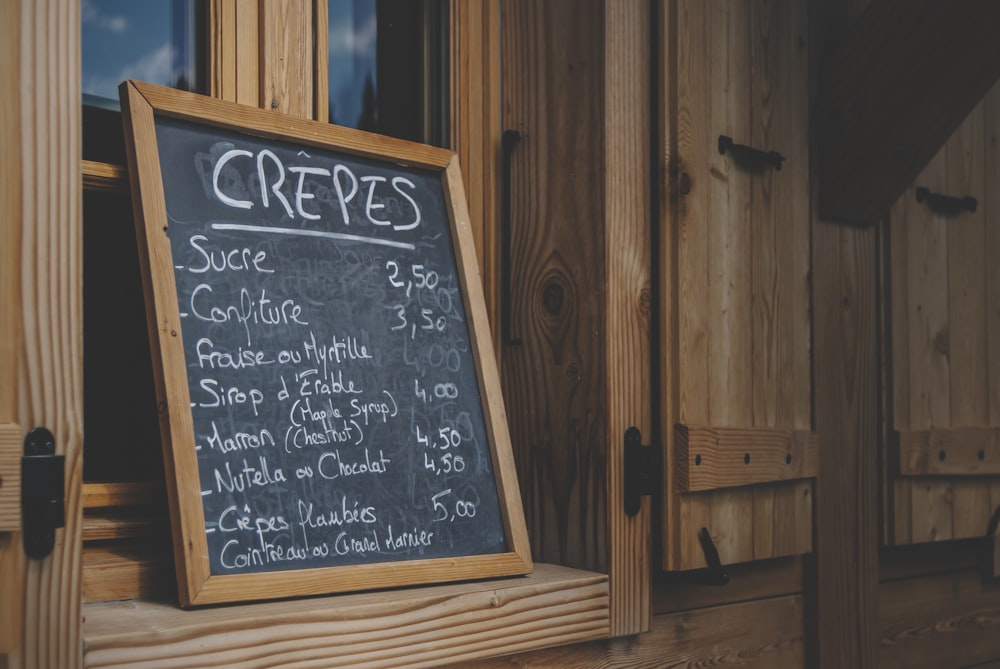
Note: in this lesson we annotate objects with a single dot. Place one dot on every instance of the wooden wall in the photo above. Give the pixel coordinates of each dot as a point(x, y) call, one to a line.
point(850, 603)
point(853, 602)
point(944, 293)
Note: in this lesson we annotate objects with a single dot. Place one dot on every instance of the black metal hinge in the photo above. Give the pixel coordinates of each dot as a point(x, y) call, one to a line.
point(642, 470)
point(42, 497)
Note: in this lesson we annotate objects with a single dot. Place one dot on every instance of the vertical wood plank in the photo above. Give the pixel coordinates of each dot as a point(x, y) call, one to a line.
point(929, 347)
point(967, 263)
point(475, 132)
point(730, 344)
point(234, 46)
point(899, 511)
point(846, 568)
point(967, 315)
point(321, 60)
point(780, 257)
point(991, 206)
point(50, 389)
point(11, 568)
point(248, 53)
point(669, 203)
point(844, 575)
point(780, 239)
point(626, 229)
point(554, 378)
point(222, 63)
point(692, 36)
point(286, 57)
point(930, 404)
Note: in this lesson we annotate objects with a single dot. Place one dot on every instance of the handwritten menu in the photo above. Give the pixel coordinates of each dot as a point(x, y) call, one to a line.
point(333, 389)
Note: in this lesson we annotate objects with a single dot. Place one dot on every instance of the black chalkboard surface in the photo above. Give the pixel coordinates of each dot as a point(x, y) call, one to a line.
point(330, 403)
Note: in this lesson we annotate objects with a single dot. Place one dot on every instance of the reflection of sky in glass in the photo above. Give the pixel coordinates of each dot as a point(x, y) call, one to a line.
point(124, 39)
point(352, 37)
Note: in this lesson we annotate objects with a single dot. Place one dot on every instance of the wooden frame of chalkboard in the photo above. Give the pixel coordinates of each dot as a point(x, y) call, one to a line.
point(329, 397)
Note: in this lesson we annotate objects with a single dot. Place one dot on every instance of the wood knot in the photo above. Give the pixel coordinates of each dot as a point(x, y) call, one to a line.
point(941, 343)
point(645, 302)
point(554, 296)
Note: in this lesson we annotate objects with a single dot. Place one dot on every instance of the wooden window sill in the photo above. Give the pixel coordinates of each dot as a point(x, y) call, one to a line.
point(415, 627)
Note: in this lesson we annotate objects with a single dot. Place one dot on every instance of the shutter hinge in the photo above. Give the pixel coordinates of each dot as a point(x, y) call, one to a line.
point(42, 497)
point(642, 470)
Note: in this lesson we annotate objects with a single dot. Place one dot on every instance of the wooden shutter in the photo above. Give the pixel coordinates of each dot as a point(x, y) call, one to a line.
point(740, 454)
point(943, 478)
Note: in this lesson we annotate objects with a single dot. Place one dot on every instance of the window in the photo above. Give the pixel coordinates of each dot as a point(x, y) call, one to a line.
point(386, 74)
point(386, 61)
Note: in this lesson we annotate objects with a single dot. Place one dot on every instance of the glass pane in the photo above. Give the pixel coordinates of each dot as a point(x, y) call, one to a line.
point(386, 64)
point(148, 41)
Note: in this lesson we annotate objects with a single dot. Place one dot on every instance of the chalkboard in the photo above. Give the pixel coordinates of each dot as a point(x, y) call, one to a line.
point(329, 398)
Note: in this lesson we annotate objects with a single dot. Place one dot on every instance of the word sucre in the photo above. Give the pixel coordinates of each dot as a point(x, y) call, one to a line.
point(383, 201)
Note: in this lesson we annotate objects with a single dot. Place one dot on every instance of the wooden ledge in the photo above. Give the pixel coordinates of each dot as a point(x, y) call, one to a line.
point(416, 627)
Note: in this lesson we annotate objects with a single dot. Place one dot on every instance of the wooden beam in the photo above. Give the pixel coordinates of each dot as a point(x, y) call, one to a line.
point(893, 91)
point(842, 581)
point(955, 452)
point(708, 458)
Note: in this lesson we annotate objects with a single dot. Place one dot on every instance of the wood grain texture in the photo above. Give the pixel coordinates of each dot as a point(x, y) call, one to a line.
point(321, 60)
point(927, 64)
point(11, 195)
point(234, 45)
point(844, 575)
point(11, 593)
point(846, 419)
point(991, 208)
point(475, 132)
point(954, 452)
point(286, 57)
point(420, 627)
point(942, 345)
point(11, 554)
point(728, 457)
point(49, 389)
point(945, 621)
point(128, 570)
point(101, 495)
point(554, 380)
point(104, 176)
point(763, 634)
point(627, 244)
point(11, 447)
point(739, 272)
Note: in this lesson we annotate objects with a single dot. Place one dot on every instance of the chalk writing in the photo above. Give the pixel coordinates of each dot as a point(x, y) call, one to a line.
point(336, 406)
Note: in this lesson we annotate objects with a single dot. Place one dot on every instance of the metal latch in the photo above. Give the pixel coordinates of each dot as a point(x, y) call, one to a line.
point(42, 497)
point(642, 470)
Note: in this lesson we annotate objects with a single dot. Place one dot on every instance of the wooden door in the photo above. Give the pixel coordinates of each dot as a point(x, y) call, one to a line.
point(40, 305)
point(943, 478)
point(740, 453)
